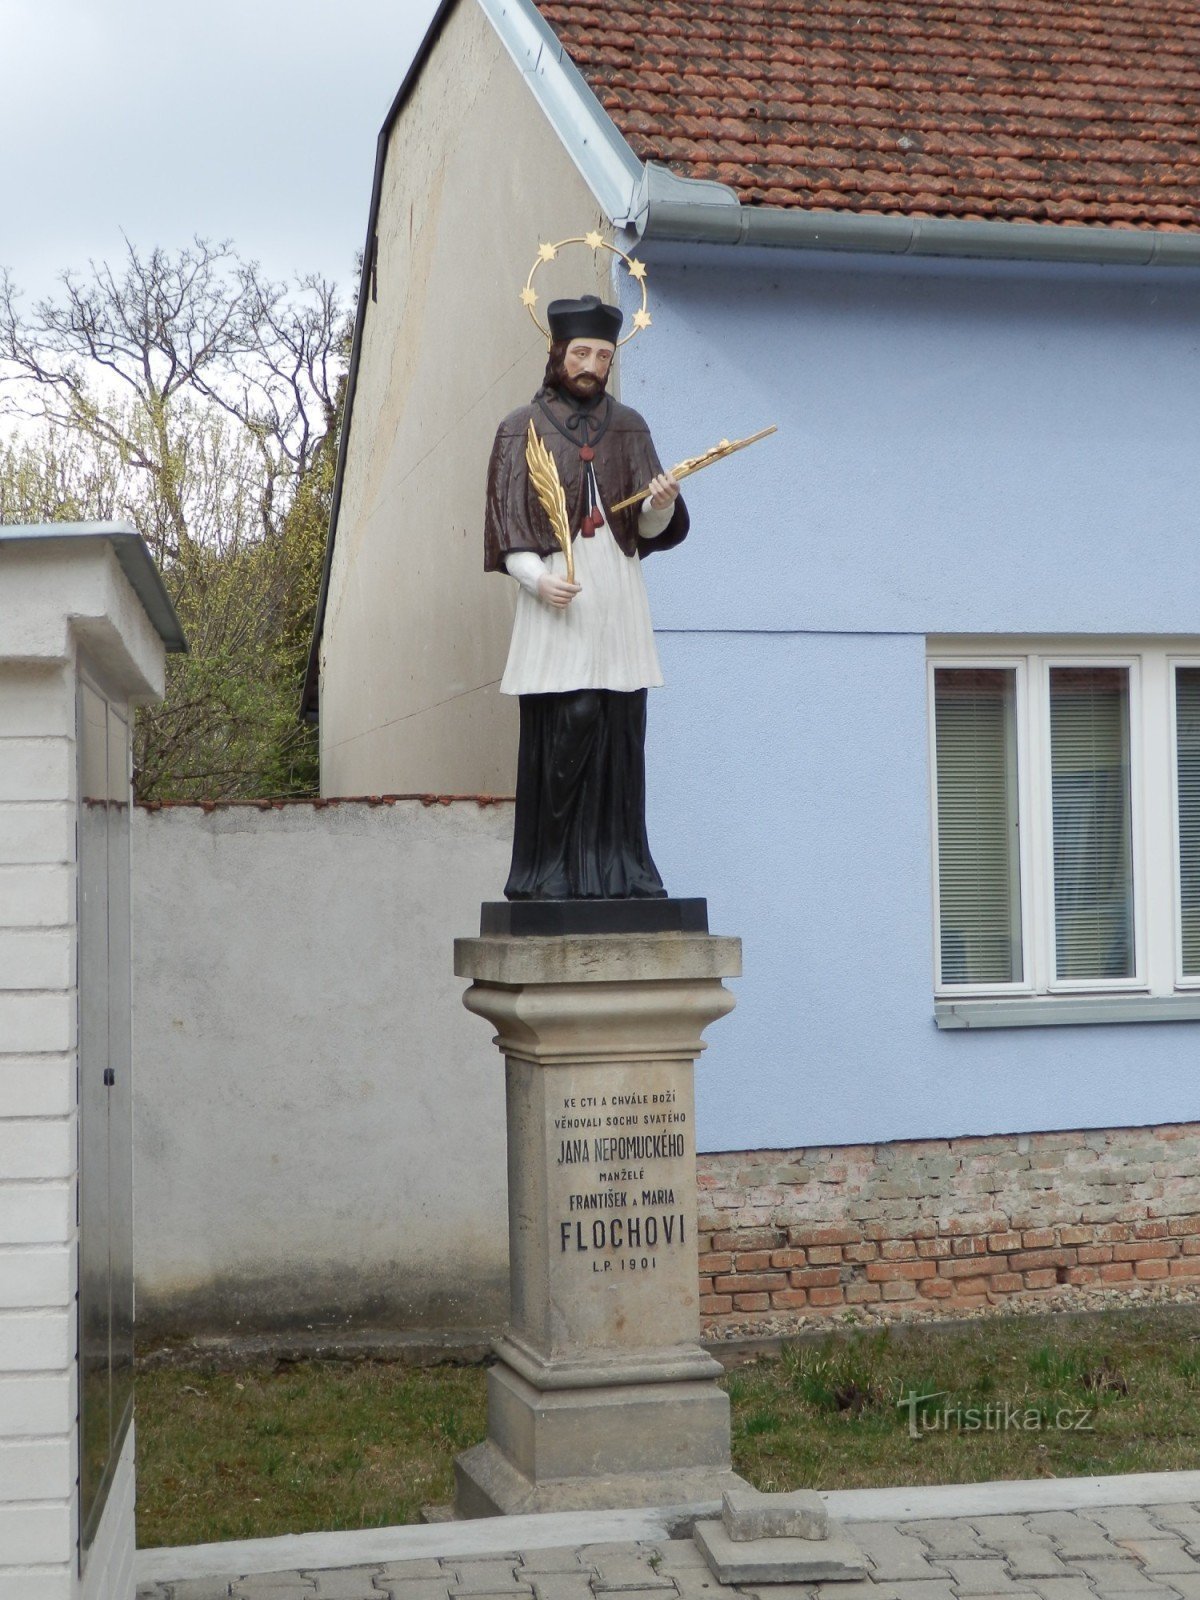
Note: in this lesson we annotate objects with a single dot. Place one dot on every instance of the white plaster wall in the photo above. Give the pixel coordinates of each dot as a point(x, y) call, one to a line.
point(319, 1123)
point(416, 633)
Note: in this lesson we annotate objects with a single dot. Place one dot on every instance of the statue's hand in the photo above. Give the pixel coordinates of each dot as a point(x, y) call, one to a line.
point(663, 490)
point(557, 592)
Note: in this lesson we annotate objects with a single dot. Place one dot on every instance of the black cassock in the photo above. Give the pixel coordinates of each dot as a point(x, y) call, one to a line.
point(580, 826)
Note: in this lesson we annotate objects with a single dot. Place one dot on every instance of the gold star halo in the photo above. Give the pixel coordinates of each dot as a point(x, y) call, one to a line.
point(592, 241)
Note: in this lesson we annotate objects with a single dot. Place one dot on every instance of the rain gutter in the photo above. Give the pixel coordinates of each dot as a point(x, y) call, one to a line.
point(697, 211)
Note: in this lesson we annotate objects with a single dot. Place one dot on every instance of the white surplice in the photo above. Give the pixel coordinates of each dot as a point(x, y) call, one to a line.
point(604, 638)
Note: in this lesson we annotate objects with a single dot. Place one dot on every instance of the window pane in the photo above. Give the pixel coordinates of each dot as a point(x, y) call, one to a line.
point(1187, 741)
point(1093, 858)
point(979, 881)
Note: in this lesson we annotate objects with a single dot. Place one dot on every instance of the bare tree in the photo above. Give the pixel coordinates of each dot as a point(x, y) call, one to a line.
point(190, 394)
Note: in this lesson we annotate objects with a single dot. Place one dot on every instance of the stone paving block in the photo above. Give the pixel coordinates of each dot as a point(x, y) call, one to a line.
point(774, 1591)
point(620, 1567)
point(273, 1586)
point(410, 1571)
point(1074, 1588)
point(1153, 1591)
point(511, 1593)
point(199, 1589)
point(924, 1589)
point(656, 1592)
point(1071, 1534)
point(564, 1558)
point(394, 1580)
point(866, 1590)
point(1120, 1576)
point(592, 1552)
point(748, 1514)
point(1028, 1556)
point(1161, 1556)
point(151, 1591)
point(347, 1583)
point(1183, 1519)
point(980, 1577)
point(1015, 1593)
point(575, 1585)
point(695, 1585)
point(1188, 1588)
point(490, 1576)
point(1122, 1522)
point(947, 1537)
point(1003, 1524)
point(894, 1556)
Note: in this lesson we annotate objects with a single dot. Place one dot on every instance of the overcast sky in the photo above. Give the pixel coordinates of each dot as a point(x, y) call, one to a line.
point(253, 120)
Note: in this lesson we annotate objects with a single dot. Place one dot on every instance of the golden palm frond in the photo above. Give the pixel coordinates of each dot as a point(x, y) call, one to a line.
point(543, 470)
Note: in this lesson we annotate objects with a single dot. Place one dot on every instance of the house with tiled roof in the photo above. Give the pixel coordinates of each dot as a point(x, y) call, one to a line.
point(930, 737)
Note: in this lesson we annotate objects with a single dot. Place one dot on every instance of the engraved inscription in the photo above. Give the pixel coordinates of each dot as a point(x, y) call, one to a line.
point(622, 1210)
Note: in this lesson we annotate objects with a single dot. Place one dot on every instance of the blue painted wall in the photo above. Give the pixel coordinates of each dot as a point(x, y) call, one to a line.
point(963, 448)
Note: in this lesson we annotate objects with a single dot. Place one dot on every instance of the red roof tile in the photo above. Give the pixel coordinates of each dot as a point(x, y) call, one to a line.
point(1031, 110)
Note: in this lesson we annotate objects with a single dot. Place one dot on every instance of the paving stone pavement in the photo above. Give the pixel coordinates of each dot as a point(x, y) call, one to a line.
point(1107, 1553)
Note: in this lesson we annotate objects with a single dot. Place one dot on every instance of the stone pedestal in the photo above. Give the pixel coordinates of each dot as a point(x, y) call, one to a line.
point(601, 1395)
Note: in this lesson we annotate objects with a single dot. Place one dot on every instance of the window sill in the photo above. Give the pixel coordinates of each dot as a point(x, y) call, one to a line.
point(1055, 1010)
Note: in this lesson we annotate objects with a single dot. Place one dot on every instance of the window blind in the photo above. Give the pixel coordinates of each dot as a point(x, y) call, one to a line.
point(1093, 858)
point(1187, 748)
point(979, 885)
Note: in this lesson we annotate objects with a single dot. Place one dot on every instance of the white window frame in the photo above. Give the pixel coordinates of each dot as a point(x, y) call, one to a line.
point(1047, 980)
point(997, 664)
point(1154, 827)
point(1177, 659)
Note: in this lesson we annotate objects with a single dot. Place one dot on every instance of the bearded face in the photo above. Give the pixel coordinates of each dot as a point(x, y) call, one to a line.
point(580, 367)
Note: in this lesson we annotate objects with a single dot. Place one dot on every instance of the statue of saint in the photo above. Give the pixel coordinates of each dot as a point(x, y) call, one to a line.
point(582, 654)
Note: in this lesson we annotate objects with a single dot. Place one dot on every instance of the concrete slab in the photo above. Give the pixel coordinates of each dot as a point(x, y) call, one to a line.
point(311, 1552)
point(779, 1560)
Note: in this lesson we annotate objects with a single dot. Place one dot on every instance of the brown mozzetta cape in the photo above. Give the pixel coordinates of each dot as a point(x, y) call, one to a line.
point(624, 462)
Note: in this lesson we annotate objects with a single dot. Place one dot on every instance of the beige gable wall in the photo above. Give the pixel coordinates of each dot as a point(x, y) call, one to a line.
point(415, 633)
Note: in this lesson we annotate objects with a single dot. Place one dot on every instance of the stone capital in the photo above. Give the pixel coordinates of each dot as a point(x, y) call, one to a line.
point(602, 998)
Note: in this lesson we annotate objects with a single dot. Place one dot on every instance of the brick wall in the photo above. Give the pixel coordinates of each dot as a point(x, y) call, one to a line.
point(946, 1224)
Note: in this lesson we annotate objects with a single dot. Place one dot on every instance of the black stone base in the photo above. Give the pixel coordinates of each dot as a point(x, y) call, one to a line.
point(548, 918)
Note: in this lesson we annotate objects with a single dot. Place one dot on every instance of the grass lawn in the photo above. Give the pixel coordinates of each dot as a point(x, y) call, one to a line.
point(360, 1444)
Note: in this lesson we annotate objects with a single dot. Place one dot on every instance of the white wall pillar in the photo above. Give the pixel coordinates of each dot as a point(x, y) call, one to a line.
point(80, 605)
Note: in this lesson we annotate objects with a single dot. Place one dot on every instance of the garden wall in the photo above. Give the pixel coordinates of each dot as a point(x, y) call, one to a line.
point(946, 1224)
point(319, 1124)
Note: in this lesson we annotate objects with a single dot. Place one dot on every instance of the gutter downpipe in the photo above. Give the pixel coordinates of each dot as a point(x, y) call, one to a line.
point(696, 211)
